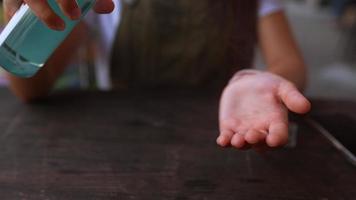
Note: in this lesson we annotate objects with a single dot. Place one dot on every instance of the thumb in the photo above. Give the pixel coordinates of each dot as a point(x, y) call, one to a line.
point(293, 99)
point(10, 7)
point(104, 6)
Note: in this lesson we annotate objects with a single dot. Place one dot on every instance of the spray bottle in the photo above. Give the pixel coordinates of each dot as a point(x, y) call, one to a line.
point(26, 42)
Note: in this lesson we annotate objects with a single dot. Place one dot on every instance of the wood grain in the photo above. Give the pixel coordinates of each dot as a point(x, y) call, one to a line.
point(152, 145)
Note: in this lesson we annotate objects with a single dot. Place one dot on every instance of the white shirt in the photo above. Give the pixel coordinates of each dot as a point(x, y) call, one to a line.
point(106, 25)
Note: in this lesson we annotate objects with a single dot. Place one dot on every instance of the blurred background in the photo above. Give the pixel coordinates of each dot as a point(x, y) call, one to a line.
point(326, 33)
point(325, 30)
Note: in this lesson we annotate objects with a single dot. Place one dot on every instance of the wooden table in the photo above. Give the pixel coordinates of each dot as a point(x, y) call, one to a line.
point(152, 145)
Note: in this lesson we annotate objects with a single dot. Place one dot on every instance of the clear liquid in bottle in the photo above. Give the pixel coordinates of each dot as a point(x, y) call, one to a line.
point(26, 42)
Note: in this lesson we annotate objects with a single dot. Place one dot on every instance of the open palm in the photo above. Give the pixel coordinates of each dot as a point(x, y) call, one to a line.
point(254, 111)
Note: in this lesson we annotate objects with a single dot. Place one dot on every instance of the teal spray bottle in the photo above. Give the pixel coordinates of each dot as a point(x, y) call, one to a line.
point(26, 42)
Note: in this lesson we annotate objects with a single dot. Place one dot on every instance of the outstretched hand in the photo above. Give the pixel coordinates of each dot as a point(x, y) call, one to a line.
point(43, 11)
point(254, 110)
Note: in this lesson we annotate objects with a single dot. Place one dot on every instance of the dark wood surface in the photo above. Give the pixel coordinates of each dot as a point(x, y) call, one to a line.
point(152, 145)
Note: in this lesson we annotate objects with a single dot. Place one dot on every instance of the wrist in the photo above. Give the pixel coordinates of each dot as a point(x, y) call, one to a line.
point(295, 74)
point(243, 73)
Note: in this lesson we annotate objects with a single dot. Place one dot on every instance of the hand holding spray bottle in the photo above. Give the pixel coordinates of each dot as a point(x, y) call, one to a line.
point(26, 42)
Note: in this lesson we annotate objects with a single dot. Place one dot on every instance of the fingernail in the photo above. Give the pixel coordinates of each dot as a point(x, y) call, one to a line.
point(218, 140)
point(75, 14)
point(59, 25)
point(221, 141)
